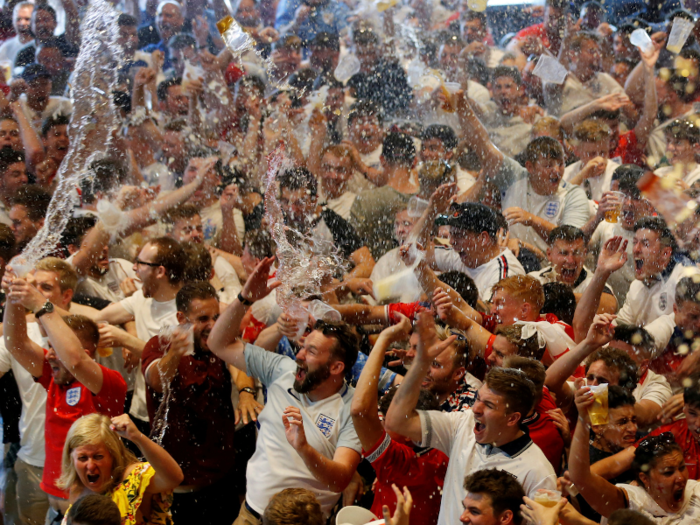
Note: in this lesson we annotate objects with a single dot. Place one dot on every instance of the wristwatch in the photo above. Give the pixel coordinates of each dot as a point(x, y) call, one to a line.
point(243, 300)
point(46, 309)
point(251, 391)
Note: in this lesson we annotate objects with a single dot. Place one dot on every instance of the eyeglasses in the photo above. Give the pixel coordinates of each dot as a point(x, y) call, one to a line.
point(651, 444)
point(139, 262)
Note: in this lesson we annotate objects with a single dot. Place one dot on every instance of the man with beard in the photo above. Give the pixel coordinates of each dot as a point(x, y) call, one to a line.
point(299, 201)
point(306, 437)
point(27, 213)
point(200, 430)
point(566, 253)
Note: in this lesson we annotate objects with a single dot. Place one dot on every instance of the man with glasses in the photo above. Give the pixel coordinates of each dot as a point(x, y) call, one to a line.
point(159, 266)
point(567, 253)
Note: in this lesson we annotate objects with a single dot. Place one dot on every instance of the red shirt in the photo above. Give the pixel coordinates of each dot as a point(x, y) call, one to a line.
point(537, 31)
point(422, 472)
point(540, 426)
point(628, 150)
point(200, 421)
point(65, 404)
point(685, 439)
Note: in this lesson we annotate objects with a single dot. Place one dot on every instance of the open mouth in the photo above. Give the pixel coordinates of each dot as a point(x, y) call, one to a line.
point(301, 374)
point(93, 478)
point(638, 264)
point(567, 274)
point(678, 495)
point(628, 216)
point(479, 426)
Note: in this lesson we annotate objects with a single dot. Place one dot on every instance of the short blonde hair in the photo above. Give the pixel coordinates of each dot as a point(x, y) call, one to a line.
point(461, 345)
point(592, 130)
point(524, 288)
point(94, 429)
point(67, 277)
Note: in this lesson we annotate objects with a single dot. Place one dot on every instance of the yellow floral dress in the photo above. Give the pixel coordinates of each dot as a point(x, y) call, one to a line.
point(128, 496)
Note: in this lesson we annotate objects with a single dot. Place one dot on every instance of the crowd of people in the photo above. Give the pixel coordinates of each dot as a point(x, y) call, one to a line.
point(506, 330)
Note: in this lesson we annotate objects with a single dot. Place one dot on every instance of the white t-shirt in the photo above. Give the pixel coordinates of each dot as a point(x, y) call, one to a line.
point(107, 285)
point(642, 502)
point(549, 275)
point(595, 185)
point(56, 106)
point(229, 278)
point(620, 280)
point(485, 276)
point(328, 425)
point(576, 93)
point(691, 172)
point(212, 221)
point(645, 304)
point(654, 387)
point(343, 204)
point(568, 206)
point(510, 133)
point(453, 433)
point(10, 48)
point(33, 395)
point(150, 316)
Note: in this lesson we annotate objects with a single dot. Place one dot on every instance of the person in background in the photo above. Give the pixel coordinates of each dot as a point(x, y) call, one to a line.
point(22, 22)
point(493, 497)
point(28, 211)
point(94, 509)
point(293, 507)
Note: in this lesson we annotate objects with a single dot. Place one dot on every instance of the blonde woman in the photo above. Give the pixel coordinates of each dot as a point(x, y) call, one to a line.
point(96, 461)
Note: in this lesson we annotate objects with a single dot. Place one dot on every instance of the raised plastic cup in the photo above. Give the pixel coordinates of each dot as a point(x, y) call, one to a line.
point(321, 311)
point(598, 411)
point(613, 216)
point(416, 206)
point(640, 38)
point(550, 70)
point(679, 34)
point(477, 5)
point(547, 497)
point(348, 66)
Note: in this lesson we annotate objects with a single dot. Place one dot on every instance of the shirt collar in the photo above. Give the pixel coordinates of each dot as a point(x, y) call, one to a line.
point(512, 449)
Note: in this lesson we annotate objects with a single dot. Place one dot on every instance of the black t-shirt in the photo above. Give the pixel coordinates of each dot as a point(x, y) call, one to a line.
point(344, 235)
point(10, 408)
point(596, 456)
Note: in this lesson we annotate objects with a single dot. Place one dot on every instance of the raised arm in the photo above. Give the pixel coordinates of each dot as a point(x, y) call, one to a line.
point(27, 353)
point(402, 416)
point(224, 337)
point(645, 124)
point(365, 415)
point(603, 496)
point(477, 138)
point(612, 257)
point(168, 473)
point(600, 333)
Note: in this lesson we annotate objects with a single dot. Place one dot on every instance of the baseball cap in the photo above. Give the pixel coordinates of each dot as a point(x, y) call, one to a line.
point(473, 217)
point(35, 71)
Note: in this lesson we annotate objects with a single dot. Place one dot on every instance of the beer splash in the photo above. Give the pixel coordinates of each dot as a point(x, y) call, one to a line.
point(93, 123)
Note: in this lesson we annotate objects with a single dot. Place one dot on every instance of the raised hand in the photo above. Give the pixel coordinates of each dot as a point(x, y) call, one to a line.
point(257, 286)
point(601, 330)
point(536, 514)
point(248, 408)
point(429, 344)
point(443, 304)
point(583, 398)
point(124, 427)
point(404, 503)
point(397, 332)
point(613, 256)
point(294, 428)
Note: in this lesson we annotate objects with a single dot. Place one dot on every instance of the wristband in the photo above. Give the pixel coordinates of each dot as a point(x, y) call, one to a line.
point(243, 300)
point(251, 391)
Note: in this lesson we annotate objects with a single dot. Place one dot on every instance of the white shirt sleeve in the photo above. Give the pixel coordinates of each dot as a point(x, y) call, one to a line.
point(576, 210)
point(661, 329)
point(440, 428)
point(656, 389)
point(5, 359)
